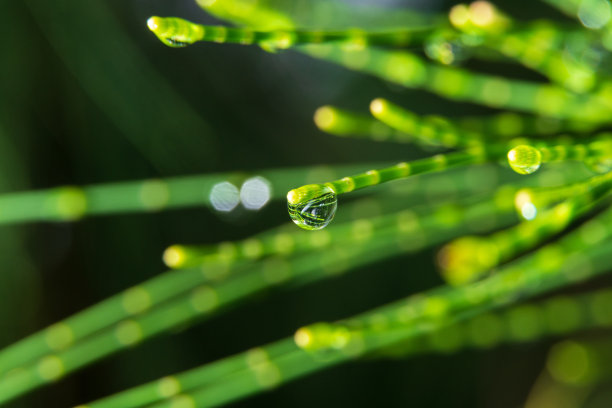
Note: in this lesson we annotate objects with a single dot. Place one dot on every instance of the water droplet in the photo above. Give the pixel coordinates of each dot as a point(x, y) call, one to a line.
point(171, 42)
point(444, 51)
point(594, 14)
point(313, 206)
point(172, 31)
point(599, 165)
point(524, 159)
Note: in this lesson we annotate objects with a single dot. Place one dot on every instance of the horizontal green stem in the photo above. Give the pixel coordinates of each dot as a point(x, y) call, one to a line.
point(556, 316)
point(413, 317)
point(551, 317)
point(180, 297)
point(408, 70)
point(176, 32)
point(71, 202)
point(510, 125)
point(418, 220)
point(601, 148)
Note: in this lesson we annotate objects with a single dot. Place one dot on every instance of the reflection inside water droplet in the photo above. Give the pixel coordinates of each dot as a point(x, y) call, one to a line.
point(315, 209)
point(173, 43)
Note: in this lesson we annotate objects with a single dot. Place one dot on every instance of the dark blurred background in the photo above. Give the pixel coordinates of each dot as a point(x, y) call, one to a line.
point(89, 95)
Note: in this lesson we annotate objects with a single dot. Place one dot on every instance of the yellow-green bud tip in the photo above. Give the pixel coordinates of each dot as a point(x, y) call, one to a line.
point(325, 117)
point(482, 13)
point(377, 106)
point(466, 259)
point(303, 338)
point(174, 256)
point(153, 23)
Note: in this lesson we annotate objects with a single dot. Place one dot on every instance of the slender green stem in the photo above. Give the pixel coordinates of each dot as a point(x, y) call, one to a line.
point(402, 170)
point(341, 122)
point(145, 321)
point(176, 32)
point(530, 200)
point(408, 319)
point(511, 125)
point(422, 194)
point(552, 317)
point(525, 159)
point(541, 46)
point(396, 124)
point(532, 275)
point(569, 7)
point(555, 316)
point(594, 15)
point(406, 223)
point(598, 149)
point(468, 258)
point(180, 297)
point(71, 202)
point(170, 386)
point(428, 129)
point(411, 71)
point(313, 206)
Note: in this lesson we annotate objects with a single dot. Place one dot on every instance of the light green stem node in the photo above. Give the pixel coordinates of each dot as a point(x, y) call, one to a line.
point(322, 336)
